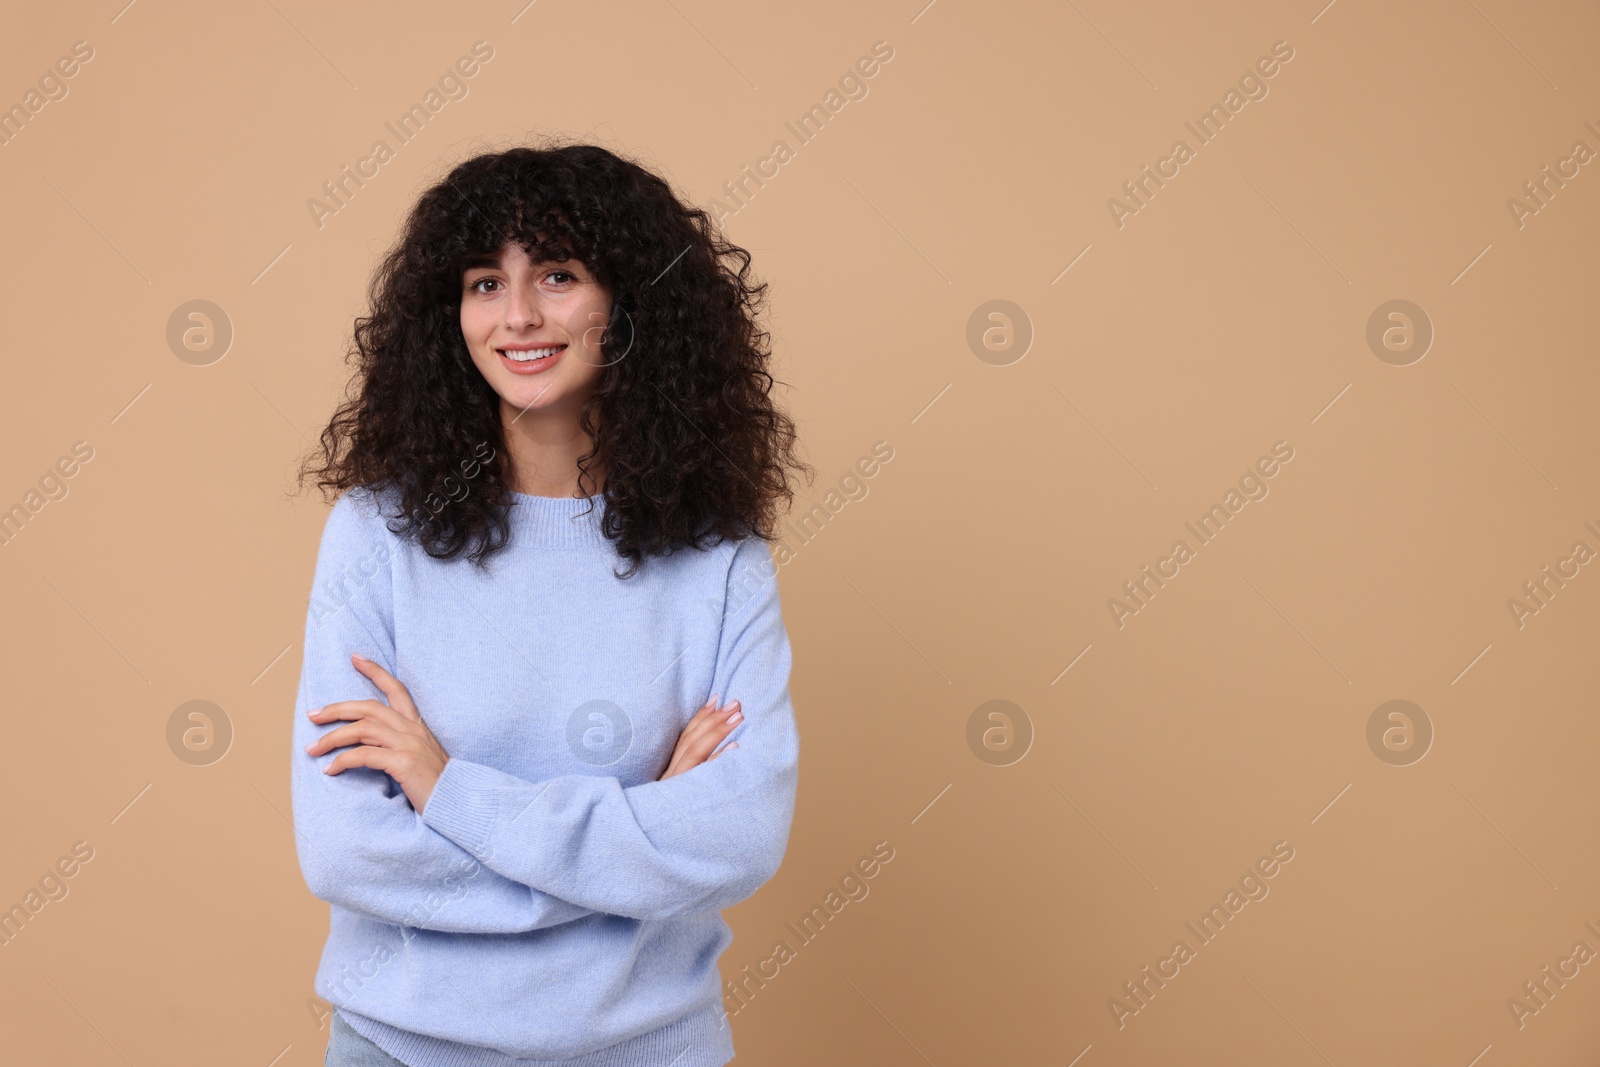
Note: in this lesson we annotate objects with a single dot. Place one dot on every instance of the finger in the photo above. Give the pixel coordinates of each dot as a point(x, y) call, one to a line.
point(399, 696)
point(685, 754)
point(695, 742)
point(699, 746)
point(720, 751)
point(705, 709)
point(357, 709)
point(376, 758)
point(710, 721)
point(698, 737)
point(360, 732)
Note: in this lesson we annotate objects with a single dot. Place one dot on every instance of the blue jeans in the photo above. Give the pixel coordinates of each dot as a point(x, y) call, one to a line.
point(347, 1048)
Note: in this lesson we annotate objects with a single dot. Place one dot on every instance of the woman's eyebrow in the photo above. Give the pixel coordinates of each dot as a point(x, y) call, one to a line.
point(493, 262)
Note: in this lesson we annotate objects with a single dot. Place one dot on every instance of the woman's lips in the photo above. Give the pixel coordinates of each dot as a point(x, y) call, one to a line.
point(530, 366)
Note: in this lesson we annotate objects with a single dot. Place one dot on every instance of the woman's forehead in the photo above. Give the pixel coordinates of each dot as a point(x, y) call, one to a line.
point(512, 251)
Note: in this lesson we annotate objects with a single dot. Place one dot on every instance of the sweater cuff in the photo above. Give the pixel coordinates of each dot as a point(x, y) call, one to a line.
point(463, 804)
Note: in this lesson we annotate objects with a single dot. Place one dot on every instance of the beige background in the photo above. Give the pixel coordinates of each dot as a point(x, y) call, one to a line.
point(1228, 314)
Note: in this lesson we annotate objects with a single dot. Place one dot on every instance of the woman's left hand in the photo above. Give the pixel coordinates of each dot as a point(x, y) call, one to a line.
point(390, 737)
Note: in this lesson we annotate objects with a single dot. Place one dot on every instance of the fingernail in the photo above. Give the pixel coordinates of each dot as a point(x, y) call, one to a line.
point(311, 746)
point(733, 744)
point(737, 716)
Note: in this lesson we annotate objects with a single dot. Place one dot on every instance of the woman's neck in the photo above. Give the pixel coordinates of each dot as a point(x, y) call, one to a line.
point(544, 458)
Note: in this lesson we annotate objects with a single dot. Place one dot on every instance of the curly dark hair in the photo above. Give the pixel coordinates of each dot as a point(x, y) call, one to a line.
point(693, 448)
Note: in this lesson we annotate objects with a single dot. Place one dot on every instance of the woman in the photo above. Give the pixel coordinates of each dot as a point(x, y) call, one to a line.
point(525, 831)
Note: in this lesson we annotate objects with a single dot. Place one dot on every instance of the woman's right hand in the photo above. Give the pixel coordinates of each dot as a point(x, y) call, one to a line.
point(705, 732)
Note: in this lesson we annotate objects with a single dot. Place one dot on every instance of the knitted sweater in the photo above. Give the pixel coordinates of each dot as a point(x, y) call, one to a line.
point(553, 903)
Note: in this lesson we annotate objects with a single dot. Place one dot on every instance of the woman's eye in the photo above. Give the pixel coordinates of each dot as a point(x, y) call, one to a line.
point(560, 277)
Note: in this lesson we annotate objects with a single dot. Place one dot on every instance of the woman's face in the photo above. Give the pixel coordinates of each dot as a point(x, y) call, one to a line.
point(511, 306)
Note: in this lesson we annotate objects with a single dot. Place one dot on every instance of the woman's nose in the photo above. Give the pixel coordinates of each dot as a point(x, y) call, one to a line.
point(523, 308)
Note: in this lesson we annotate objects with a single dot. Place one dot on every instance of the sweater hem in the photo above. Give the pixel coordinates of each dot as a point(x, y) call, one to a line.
point(702, 1038)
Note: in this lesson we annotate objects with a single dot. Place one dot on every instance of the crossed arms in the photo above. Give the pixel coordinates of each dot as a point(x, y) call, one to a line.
point(493, 853)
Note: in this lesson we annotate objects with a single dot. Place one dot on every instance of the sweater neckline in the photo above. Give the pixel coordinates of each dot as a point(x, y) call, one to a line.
point(557, 521)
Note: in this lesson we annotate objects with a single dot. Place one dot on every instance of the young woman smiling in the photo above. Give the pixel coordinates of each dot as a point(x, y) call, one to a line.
point(500, 782)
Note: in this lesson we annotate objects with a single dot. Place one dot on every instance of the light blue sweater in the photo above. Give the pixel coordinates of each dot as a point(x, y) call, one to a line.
point(554, 903)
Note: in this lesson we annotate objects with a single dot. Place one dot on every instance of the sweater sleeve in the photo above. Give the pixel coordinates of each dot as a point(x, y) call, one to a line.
point(360, 843)
point(701, 840)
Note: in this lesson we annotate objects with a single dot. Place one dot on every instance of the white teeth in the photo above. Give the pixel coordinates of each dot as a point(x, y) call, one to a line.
point(532, 353)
